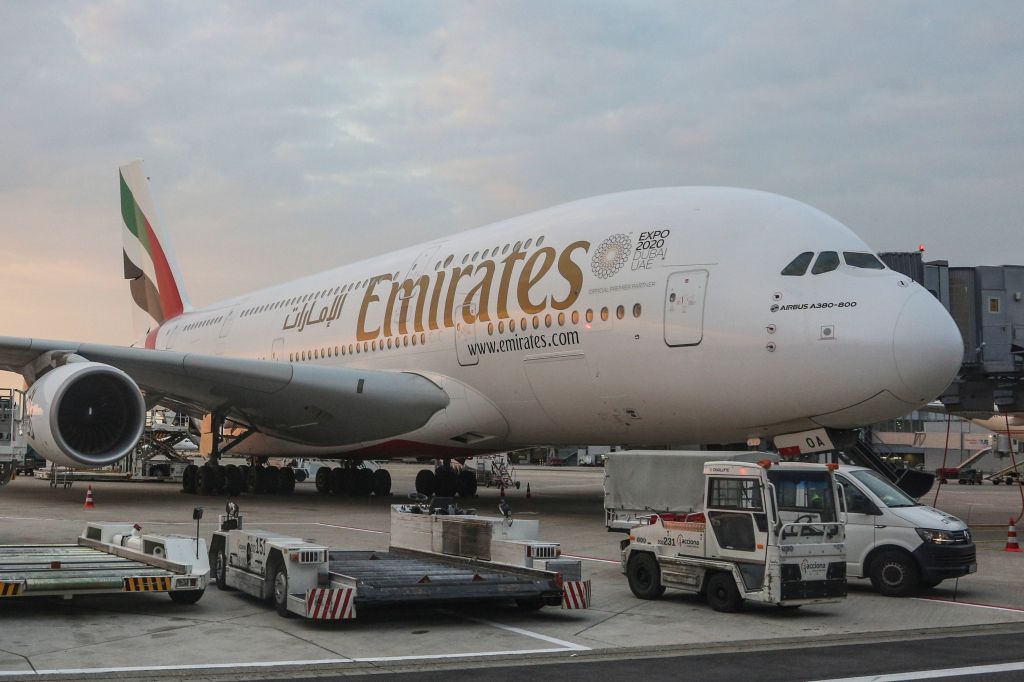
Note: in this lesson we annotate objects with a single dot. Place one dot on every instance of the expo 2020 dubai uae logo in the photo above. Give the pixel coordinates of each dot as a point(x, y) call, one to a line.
point(611, 255)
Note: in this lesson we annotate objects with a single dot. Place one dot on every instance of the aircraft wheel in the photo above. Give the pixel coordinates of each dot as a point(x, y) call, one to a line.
point(337, 484)
point(348, 481)
point(425, 482)
point(446, 483)
point(219, 478)
point(323, 480)
point(363, 481)
point(467, 483)
point(233, 481)
point(188, 479)
point(286, 481)
point(271, 477)
point(255, 480)
point(206, 480)
point(381, 482)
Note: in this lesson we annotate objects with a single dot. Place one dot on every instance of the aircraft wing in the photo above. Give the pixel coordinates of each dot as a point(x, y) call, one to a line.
point(309, 404)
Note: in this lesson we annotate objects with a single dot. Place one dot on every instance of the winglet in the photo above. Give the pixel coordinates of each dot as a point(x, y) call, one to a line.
point(149, 262)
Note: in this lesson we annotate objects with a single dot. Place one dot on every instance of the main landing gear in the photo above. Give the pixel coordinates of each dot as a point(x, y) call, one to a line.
point(353, 479)
point(254, 478)
point(446, 480)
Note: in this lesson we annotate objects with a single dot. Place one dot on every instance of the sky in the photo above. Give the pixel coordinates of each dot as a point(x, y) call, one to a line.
point(287, 138)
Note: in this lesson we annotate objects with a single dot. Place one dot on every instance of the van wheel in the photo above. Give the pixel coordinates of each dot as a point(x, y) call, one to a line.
point(644, 576)
point(722, 594)
point(895, 574)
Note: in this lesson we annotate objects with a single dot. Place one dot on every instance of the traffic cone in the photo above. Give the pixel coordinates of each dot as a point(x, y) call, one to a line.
point(90, 505)
point(528, 495)
point(1011, 538)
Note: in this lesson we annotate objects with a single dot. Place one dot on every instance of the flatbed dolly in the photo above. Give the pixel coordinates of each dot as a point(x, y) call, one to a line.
point(434, 558)
point(108, 558)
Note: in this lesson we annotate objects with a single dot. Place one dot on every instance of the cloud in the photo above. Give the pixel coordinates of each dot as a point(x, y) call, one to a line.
point(289, 138)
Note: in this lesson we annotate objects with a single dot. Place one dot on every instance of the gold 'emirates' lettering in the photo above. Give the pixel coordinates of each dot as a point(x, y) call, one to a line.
point(423, 314)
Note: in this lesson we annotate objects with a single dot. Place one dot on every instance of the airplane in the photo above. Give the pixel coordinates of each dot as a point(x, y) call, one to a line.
point(669, 315)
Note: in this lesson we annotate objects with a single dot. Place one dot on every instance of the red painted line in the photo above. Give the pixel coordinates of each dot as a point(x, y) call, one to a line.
point(591, 558)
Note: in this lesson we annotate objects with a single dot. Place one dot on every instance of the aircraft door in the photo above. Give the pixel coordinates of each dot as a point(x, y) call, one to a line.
point(277, 350)
point(229, 319)
point(684, 307)
point(465, 337)
point(421, 265)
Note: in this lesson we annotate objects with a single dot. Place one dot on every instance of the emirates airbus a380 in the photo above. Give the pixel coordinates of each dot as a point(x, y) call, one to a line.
point(675, 315)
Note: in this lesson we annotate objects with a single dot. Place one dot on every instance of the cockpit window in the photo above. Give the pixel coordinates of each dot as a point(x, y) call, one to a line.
point(867, 261)
point(798, 265)
point(827, 262)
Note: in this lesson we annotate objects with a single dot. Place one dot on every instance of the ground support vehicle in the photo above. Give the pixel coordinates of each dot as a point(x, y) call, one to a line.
point(968, 477)
point(13, 446)
point(108, 558)
point(434, 557)
point(1007, 475)
point(899, 544)
point(747, 536)
point(494, 470)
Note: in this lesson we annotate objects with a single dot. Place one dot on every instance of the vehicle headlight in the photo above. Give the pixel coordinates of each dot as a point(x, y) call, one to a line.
point(936, 537)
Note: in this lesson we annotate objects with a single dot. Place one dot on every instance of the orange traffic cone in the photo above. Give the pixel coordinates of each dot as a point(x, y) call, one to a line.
point(528, 495)
point(1011, 538)
point(90, 505)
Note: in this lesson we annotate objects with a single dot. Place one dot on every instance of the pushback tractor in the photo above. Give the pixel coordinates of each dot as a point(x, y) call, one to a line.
point(748, 532)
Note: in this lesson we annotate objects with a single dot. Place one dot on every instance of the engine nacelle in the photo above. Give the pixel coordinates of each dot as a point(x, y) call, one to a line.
point(84, 414)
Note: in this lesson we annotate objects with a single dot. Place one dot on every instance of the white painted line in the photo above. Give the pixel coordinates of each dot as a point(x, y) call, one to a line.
point(535, 635)
point(156, 668)
point(1011, 609)
point(591, 558)
point(931, 674)
point(323, 661)
point(362, 530)
point(468, 654)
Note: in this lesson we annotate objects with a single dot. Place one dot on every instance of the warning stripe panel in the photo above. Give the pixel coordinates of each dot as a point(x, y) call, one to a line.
point(10, 589)
point(330, 603)
point(148, 584)
point(576, 594)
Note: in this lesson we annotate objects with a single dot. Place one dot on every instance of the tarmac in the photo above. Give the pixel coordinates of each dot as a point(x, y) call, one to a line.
point(228, 635)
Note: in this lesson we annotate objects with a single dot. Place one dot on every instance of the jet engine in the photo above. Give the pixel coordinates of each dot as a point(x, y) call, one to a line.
point(84, 414)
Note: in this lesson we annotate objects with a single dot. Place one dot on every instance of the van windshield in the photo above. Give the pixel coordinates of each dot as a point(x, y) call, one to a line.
point(890, 495)
point(804, 492)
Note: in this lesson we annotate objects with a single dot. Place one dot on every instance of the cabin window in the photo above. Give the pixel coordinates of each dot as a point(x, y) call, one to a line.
point(448, 260)
point(501, 326)
point(827, 262)
point(798, 266)
point(561, 319)
point(575, 317)
point(504, 249)
point(527, 244)
point(868, 261)
point(620, 312)
point(590, 315)
point(547, 320)
point(636, 310)
point(604, 314)
point(540, 240)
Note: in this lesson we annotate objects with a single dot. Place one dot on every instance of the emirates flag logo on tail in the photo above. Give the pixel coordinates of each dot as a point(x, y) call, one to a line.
point(148, 264)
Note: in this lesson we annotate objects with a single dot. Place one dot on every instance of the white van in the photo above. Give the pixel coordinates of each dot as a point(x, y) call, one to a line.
point(902, 546)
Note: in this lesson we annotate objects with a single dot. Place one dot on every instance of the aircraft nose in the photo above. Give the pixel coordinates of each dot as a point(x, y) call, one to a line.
point(927, 348)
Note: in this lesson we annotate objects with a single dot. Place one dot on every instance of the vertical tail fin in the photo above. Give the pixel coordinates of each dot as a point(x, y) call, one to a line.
point(149, 262)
